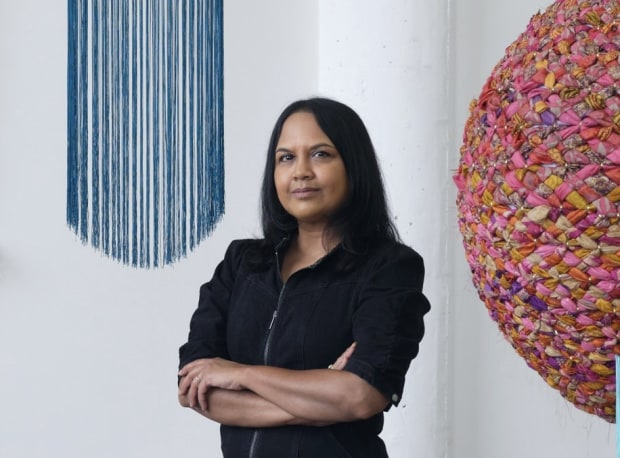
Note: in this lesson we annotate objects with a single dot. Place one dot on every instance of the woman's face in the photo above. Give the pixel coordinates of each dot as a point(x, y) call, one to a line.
point(310, 176)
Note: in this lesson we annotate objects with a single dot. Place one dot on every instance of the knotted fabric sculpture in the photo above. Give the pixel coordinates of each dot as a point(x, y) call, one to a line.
point(145, 159)
point(538, 198)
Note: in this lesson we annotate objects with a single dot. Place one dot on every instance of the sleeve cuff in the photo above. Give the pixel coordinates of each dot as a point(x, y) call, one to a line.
point(392, 389)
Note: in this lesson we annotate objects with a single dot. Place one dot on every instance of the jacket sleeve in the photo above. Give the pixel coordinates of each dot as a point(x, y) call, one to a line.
point(388, 323)
point(207, 329)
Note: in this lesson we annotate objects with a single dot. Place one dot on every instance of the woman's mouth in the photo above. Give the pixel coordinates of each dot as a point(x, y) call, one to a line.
point(302, 193)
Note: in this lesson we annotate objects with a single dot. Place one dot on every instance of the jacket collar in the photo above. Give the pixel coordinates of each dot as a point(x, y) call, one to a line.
point(286, 240)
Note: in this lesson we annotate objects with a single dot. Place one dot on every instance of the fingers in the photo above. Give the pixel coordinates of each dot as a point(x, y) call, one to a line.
point(190, 387)
point(190, 366)
point(349, 351)
point(342, 360)
point(192, 394)
point(200, 375)
point(339, 363)
point(202, 396)
point(183, 400)
point(184, 385)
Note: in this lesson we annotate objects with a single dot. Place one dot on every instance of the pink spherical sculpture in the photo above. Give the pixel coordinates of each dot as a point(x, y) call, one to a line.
point(539, 202)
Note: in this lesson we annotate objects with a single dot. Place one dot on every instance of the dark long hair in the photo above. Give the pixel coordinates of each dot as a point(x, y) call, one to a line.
point(364, 217)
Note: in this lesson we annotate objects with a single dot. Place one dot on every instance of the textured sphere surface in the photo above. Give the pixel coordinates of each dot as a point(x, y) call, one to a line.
point(538, 198)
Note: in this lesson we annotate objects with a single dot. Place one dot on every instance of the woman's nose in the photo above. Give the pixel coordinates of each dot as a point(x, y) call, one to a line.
point(303, 169)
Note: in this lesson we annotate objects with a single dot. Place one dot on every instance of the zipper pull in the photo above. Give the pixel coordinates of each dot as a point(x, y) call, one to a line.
point(273, 318)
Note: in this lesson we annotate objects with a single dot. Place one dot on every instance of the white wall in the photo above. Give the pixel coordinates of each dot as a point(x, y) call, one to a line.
point(88, 346)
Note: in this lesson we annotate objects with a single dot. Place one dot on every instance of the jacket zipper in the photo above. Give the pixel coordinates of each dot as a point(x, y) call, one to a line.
point(274, 316)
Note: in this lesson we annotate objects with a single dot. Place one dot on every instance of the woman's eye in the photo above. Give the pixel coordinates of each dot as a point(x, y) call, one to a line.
point(320, 153)
point(285, 158)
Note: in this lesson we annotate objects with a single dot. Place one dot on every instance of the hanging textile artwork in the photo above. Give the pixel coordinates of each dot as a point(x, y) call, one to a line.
point(145, 165)
point(539, 198)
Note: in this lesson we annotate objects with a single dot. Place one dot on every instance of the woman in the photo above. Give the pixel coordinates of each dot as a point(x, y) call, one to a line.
point(302, 339)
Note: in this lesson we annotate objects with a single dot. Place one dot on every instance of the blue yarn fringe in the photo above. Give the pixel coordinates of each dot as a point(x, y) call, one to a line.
point(145, 131)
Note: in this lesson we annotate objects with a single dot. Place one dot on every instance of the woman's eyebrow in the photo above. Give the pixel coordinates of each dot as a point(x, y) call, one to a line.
point(318, 145)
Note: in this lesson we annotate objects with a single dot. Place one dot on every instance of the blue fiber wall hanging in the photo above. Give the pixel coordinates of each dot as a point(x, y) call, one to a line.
point(145, 154)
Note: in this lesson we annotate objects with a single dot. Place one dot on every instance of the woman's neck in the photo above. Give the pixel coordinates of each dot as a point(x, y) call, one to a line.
point(306, 249)
point(313, 242)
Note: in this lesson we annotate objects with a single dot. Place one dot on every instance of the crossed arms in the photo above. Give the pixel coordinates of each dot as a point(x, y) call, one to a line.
point(263, 396)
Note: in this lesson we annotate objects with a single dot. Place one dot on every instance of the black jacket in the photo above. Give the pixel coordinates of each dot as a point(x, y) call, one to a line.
point(246, 314)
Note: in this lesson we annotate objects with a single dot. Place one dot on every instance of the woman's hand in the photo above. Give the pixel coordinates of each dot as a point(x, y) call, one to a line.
point(343, 359)
point(262, 396)
point(200, 375)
